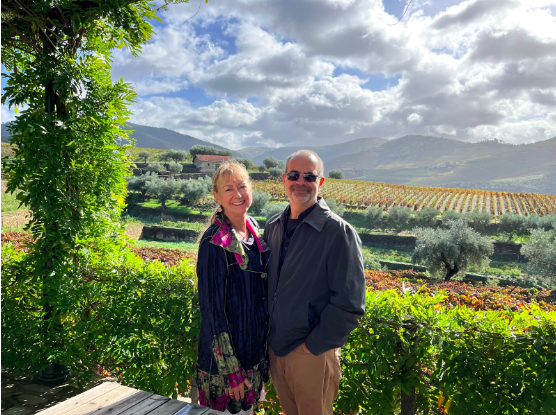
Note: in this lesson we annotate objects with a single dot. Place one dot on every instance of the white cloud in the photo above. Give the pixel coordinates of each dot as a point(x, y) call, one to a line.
point(7, 114)
point(275, 71)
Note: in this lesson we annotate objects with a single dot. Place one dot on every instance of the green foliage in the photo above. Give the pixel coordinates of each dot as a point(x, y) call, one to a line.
point(479, 220)
point(145, 155)
point(246, 162)
point(336, 207)
point(374, 217)
point(451, 215)
point(449, 252)
point(173, 155)
point(541, 253)
point(545, 222)
point(513, 224)
point(370, 261)
point(336, 174)
point(138, 319)
point(398, 217)
point(194, 190)
point(275, 172)
point(155, 168)
point(139, 183)
point(270, 162)
point(262, 169)
point(162, 189)
point(260, 199)
point(272, 209)
point(481, 361)
point(174, 168)
point(208, 150)
point(426, 217)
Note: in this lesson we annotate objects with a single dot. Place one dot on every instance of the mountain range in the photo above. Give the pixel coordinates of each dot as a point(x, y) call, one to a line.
point(412, 160)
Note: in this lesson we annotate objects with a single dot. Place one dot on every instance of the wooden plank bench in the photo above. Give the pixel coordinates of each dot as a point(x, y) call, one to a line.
point(111, 398)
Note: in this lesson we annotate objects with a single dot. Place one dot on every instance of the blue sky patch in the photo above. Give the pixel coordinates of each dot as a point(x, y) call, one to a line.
point(375, 82)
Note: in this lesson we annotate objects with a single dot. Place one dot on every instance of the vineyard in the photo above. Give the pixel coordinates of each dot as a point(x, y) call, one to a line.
point(356, 194)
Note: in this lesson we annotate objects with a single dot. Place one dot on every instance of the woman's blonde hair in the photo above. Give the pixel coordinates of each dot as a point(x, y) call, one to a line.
point(230, 168)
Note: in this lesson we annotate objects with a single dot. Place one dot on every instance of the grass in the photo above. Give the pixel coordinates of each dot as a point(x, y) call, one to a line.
point(184, 246)
point(10, 203)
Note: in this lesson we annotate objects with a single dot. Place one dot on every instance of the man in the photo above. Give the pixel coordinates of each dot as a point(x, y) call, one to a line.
point(316, 288)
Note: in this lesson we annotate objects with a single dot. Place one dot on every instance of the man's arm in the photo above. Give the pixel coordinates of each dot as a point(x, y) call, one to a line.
point(346, 279)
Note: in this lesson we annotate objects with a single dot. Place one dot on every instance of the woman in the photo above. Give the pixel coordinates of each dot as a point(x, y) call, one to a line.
point(232, 360)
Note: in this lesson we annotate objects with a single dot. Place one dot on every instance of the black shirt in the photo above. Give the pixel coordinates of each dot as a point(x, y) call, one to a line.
point(289, 229)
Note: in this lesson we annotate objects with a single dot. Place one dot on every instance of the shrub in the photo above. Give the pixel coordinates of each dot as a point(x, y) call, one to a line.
point(260, 199)
point(370, 261)
point(336, 207)
point(448, 252)
point(155, 167)
point(513, 224)
point(479, 220)
point(426, 217)
point(262, 168)
point(275, 172)
point(145, 155)
point(208, 150)
point(450, 215)
point(270, 162)
point(138, 319)
point(174, 168)
point(336, 174)
point(398, 217)
point(246, 162)
point(374, 217)
point(545, 222)
point(139, 183)
point(272, 209)
point(194, 190)
point(162, 189)
point(541, 253)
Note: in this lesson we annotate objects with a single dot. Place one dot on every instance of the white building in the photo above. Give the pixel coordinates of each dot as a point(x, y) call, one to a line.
point(208, 163)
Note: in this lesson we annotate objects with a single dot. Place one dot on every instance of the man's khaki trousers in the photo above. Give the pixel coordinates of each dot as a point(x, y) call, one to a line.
point(306, 384)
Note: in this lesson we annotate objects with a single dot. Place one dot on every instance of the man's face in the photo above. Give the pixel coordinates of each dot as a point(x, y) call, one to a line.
point(301, 192)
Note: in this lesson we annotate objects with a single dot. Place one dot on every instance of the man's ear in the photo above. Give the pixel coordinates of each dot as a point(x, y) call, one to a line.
point(321, 182)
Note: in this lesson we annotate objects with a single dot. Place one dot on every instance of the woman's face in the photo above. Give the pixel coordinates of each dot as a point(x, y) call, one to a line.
point(234, 195)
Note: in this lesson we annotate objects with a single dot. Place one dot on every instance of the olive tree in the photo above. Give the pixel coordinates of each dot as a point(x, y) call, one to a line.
point(174, 168)
point(270, 162)
point(272, 209)
point(246, 162)
point(194, 190)
point(540, 250)
point(449, 252)
point(139, 183)
point(145, 155)
point(374, 217)
point(336, 174)
point(398, 217)
point(155, 168)
point(260, 199)
point(513, 224)
point(162, 189)
point(426, 217)
point(275, 172)
point(479, 220)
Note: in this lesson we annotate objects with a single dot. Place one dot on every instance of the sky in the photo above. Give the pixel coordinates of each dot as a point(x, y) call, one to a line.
point(244, 73)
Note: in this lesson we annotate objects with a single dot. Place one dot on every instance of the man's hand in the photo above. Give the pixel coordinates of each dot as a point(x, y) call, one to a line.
point(239, 391)
point(305, 349)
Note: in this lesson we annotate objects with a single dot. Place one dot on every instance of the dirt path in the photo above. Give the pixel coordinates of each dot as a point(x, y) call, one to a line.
point(12, 220)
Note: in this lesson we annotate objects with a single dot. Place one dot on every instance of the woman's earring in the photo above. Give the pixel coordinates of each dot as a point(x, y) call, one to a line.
point(219, 209)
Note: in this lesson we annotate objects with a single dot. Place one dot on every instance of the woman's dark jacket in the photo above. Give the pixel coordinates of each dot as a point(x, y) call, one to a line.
point(232, 288)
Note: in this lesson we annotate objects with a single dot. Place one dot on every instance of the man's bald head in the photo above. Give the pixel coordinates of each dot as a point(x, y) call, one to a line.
point(309, 154)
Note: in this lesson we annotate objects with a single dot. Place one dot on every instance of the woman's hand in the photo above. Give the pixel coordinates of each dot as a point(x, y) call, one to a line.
point(238, 392)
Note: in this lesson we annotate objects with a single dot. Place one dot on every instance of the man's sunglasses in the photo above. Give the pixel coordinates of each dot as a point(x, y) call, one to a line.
point(308, 177)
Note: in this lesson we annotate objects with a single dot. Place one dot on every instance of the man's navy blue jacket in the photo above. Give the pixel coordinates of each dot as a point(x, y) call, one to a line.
point(318, 295)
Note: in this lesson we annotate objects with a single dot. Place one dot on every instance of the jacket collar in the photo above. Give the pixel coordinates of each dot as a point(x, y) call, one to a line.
point(317, 218)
